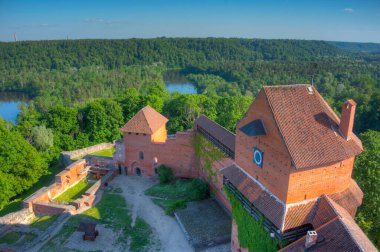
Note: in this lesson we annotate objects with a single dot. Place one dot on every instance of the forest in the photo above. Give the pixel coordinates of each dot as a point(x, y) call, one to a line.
point(84, 90)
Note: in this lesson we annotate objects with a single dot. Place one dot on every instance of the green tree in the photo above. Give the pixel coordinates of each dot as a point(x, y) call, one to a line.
point(42, 138)
point(367, 175)
point(20, 164)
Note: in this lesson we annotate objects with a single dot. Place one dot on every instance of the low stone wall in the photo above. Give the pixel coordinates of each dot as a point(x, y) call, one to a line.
point(41, 208)
point(23, 216)
point(67, 156)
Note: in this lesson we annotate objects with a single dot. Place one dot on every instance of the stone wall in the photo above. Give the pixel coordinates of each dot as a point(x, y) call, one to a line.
point(67, 156)
point(23, 216)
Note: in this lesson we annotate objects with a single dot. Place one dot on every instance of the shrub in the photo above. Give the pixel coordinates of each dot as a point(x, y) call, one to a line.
point(179, 204)
point(200, 191)
point(166, 174)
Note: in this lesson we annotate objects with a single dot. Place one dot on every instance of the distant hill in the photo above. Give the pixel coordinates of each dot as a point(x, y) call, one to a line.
point(358, 47)
point(170, 51)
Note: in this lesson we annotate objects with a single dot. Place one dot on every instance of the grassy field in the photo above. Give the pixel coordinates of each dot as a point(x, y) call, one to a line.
point(75, 192)
point(104, 153)
point(44, 222)
point(112, 212)
point(175, 195)
point(11, 238)
point(43, 181)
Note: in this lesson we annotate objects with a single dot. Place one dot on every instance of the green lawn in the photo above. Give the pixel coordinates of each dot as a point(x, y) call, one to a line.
point(75, 192)
point(44, 222)
point(104, 153)
point(10, 238)
point(113, 212)
point(175, 195)
point(15, 204)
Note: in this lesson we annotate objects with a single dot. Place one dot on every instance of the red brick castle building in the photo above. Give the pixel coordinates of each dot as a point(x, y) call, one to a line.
point(290, 161)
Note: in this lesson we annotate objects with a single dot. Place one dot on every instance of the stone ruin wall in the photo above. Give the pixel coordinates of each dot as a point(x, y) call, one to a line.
point(67, 156)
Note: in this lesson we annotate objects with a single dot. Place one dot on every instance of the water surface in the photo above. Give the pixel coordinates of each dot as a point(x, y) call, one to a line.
point(176, 82)
point(9, 105)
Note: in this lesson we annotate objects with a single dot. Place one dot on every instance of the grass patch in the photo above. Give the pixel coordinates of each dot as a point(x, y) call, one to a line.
point(45, 180)
point(44, 222)
point(75, 192)
point(112, 212)
point(28, 237)
point(175, 195)
point(104, 153)
point(10, 238)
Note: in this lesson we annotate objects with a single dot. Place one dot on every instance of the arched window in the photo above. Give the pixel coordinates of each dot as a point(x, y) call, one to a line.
point(141, 155)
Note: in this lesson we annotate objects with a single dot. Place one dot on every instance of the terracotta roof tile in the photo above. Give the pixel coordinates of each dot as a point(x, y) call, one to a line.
point(337, 231)
point(299, 214)
point(224, 136)
point(309, 127)
point(318, 212)
point(350, 199)
point(264, 201)
point(146, 121)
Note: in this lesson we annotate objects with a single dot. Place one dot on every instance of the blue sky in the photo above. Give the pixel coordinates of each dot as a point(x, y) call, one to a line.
point(340, 20)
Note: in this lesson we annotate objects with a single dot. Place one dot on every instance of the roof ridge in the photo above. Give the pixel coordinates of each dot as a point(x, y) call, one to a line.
point(146, 120)
point(341, 218)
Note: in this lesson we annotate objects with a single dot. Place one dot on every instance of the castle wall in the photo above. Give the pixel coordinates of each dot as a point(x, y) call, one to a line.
point(312, 183)
point(216, 181)
point(277, 163)
point(177, 153)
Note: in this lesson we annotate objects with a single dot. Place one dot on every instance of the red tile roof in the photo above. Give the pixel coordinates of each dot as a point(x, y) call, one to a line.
point(146, 121)
point(263, 200)
point(336, 229)
point(288, 217)
point(307, 212)
point(220, 133)
point(309, 126)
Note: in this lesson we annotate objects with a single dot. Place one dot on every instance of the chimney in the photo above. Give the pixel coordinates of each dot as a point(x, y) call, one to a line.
point(311, 239)
point(347, 118)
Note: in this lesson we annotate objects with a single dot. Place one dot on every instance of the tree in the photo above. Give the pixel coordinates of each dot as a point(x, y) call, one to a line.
point(42, 137)
point(367, 175)
point(20, 164)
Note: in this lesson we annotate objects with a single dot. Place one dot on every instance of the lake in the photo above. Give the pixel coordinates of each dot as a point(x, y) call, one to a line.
point(176, 82)
point(9, 102)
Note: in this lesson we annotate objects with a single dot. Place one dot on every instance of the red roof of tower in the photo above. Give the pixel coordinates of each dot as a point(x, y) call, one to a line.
point(146, 121)
point(309, 127)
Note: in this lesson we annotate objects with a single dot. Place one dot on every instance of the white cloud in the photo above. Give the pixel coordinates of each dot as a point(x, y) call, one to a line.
point(348, 10)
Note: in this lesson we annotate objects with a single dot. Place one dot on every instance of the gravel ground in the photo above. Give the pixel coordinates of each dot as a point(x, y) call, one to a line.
point(167, 229)
point(104, 241)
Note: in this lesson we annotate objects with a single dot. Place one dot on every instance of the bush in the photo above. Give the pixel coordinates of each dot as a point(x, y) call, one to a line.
point(200, 191)
point(179, 204)
point(166, 174)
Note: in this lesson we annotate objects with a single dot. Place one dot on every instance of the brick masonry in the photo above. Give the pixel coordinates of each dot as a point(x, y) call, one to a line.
point(144, 152)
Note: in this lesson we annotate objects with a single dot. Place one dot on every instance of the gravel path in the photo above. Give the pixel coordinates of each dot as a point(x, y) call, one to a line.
point(171, 237)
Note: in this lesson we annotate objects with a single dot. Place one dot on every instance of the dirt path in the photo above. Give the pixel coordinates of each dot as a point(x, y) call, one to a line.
point(167, 229)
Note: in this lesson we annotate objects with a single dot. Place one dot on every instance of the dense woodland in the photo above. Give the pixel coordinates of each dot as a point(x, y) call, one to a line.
point(84, 90)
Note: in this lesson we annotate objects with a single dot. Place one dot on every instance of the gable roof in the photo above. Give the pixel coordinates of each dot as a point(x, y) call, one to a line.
point(146, 121)
point(213, 130)
point(309, 127)
point(287, 217)
point(336, 230)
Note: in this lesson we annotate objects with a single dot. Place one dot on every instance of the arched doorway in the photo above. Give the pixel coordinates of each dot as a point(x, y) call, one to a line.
point(135, 169)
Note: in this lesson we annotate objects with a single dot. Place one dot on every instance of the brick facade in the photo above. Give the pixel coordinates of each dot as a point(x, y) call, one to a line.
point(176, 152)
